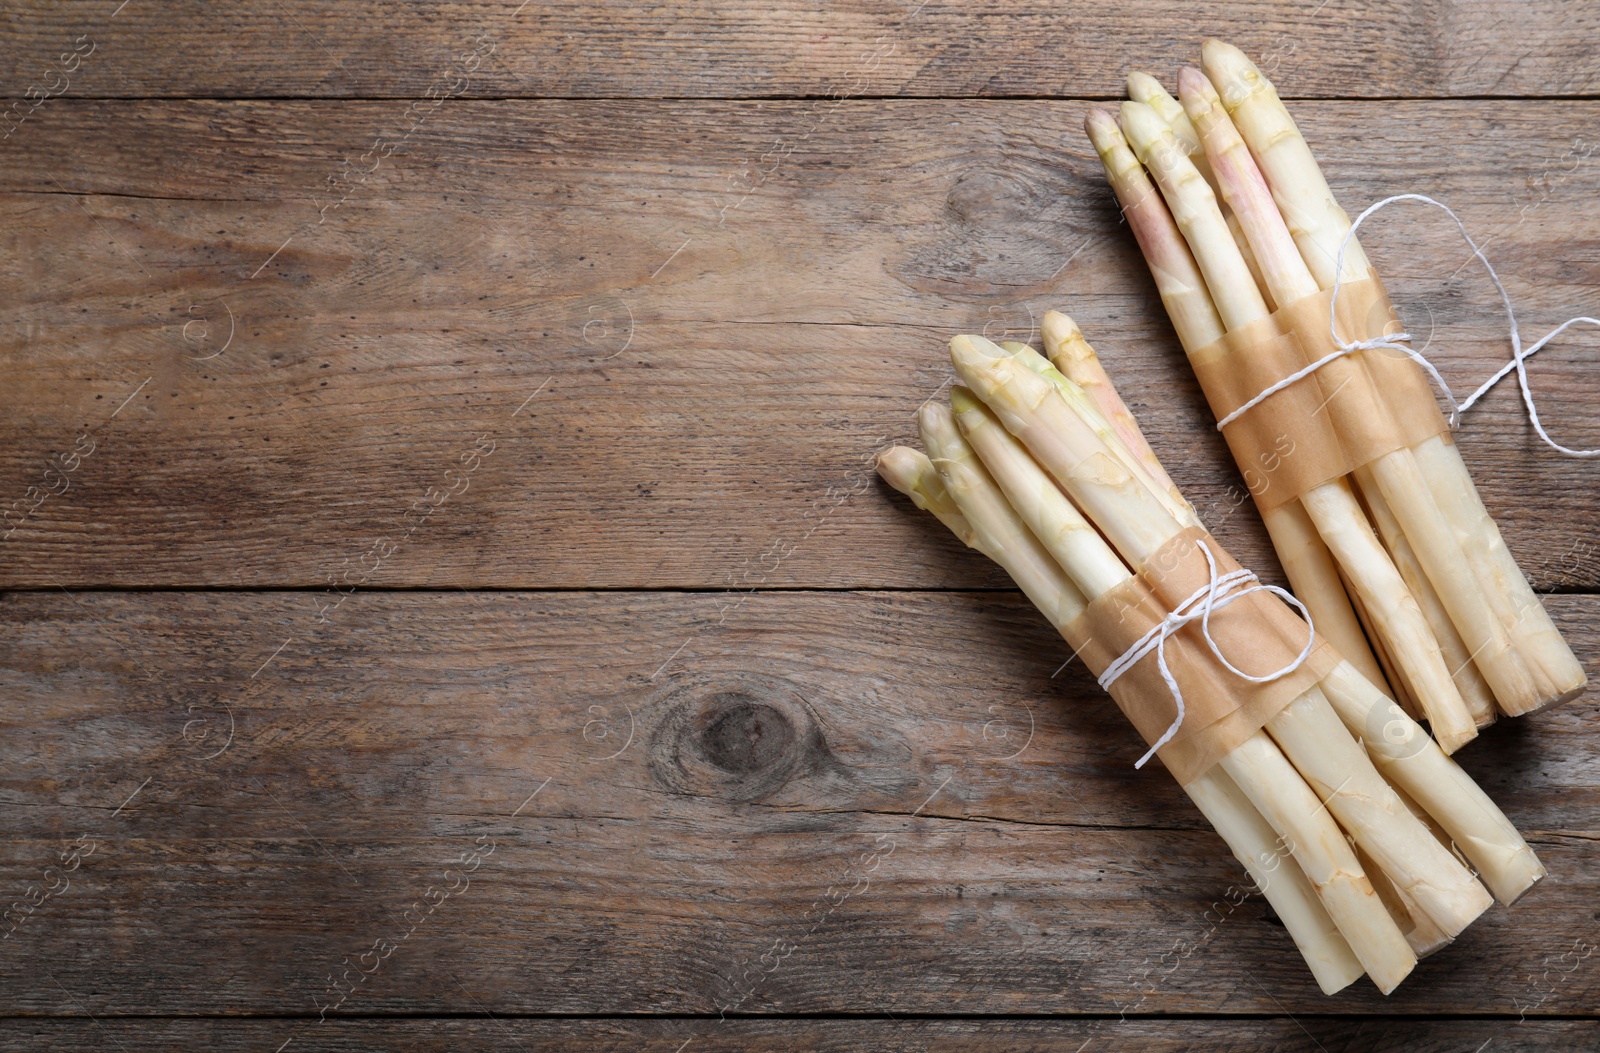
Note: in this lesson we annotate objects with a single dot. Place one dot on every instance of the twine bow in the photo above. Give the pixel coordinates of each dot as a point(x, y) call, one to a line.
point(1519, 354)
point(1216, 594)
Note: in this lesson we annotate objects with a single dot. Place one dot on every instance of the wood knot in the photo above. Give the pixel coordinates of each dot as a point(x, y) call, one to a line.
point(742, 740)
point(744, 736)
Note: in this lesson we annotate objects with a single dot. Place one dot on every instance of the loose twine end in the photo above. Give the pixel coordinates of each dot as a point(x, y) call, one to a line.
point(1396, 341)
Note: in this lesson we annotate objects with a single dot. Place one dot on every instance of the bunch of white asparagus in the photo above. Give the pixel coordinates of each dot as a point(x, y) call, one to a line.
point(1361, 833)
point(1236, 221)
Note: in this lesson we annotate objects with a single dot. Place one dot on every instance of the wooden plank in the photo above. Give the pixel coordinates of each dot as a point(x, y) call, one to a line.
point(1380, 48)
point(681, 382)
point(894, 784)
point(1375, 1034)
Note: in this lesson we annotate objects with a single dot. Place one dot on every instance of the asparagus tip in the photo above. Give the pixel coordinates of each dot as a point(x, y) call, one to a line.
point(930, 418)
point(962, 400)
point(1142, 86)
point(1235, 76)
point(899, 466)
point(1101, 124)
point(1143, 127)
point(1192, 82)
point(969, 346)
point(1058, 329)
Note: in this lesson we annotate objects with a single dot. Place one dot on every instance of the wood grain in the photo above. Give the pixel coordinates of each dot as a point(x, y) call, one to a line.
point(740, 48)
point(901, 1035)
point(894, 784)
point(683, 327)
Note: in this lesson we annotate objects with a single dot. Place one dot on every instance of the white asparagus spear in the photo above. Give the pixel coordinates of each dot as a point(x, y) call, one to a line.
point(1315, 579)
point(1469, 681)
point(1194, 207)
point(1415, 764)
point(1332, 507)
point(1558, 672)
point(1276, 789)
point(1178, 280)
point(1420, 931)
point(1396, 687)
point(1437, 545)
point(1038, 501)
point(1000, 537)
point(1089, 412)
point(1344, 528)
point(1338, 770)
point(1252, 841)
point(1188, 303)
point(1386, 829)
point(1544, 670)
point(1070, 353)
point(910, 472)
point(1146, 89)
point(1261, 770)
point(1307, 205)
point(1273, 869)
point(1132, 518)
point(1239, 182)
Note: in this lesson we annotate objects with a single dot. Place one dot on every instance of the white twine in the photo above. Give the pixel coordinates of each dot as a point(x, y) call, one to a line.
point(1519, 354)
point(1216, 594)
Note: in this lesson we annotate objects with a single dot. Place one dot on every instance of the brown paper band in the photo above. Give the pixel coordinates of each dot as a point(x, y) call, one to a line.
point(1257, 632)
point(1348, 413)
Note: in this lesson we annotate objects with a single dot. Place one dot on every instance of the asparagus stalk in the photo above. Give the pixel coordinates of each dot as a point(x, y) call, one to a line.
point(1132, 518)
point(1194, 207)
point(1316, 582)
point(1306, 203)
point(1332, 507)
point(1178, 280)
point(1188, 303)
point(996, 531)
point(1336, 767)
point(1545, 670)
point(1438, 549)
point(1382, 825)
point(910, 472)
point(1281, 796)
point(1396, 687)
point(1239, 181)
point(1558, 673)
point(1070, 353)
point(1076, 546)
point(1252, 841)
point(1468, 680)
point(1146, 89)
point(1089, 412)
point(1420, 931)
point(1416, 765)
point(1257, 846)
point(1393, 609)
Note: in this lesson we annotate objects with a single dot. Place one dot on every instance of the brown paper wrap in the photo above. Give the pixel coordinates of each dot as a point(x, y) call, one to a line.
point(1350, 412)
point(1259, 633)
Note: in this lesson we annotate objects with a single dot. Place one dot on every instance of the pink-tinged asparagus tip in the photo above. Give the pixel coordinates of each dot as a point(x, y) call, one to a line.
point(1192, 82)
point(1099, 124)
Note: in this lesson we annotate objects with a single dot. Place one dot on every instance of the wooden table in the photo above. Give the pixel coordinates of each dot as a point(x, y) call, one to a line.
point(449, 605)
